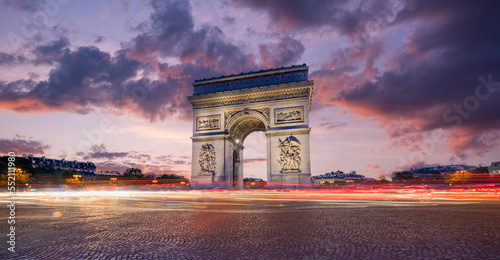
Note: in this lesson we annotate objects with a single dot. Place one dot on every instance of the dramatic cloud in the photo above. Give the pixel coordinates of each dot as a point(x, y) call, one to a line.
point(99, 38)
point(333, 125)
point(170, 32)
point(171, 166)
point(100, 152)
point(146, 168)
point(52, 52)
point(22, 146)
point(347, 17)
point(286, 52)
point(133, 80)
point(7, 59)
point(87, 78)
point(106, 160)
point(254, 160)
point(22, 5)
point(169, 160)
point(447, 78)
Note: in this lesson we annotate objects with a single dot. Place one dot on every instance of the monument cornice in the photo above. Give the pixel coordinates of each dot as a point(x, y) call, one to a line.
point(212, 137)
point(247, 96)
point(250, 75)
point(289, 131)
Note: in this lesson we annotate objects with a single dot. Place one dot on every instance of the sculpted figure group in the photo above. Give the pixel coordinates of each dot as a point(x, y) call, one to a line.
point(290, 154)
point(207, 159)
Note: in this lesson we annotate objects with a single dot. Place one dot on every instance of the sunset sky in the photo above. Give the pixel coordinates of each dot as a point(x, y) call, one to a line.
point(397, 84)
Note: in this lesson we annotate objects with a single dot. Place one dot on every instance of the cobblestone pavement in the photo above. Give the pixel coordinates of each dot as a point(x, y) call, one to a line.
point(204, 227)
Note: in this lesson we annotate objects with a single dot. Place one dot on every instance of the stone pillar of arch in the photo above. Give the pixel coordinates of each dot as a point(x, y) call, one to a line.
point(229, 108)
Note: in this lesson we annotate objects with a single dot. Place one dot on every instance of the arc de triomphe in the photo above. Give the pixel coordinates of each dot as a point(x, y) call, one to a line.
point(228, 108)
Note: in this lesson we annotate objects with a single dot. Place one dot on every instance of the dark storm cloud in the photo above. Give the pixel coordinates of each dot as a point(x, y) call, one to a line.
point(228, 19)
point(22, 5)
point(170, 23)
point(286, 52)
point(46, 54)
point(88, 78)
point(99, 38)
point(170, 32)
point(168, 160)
point(7, 59)
point(297, 13)
point(22, 146)
point(453, 45)
point(343, 16)
point(101, 152)
point(113, 160)
point(152, 167)
point(333, 125)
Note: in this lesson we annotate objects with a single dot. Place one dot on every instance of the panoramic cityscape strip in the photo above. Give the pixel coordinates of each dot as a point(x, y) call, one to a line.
point(231, 129)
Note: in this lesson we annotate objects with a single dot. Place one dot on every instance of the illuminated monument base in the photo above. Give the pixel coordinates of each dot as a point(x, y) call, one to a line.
point(227, 109)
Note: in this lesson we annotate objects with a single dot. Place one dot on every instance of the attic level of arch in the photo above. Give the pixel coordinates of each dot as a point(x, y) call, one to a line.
point(249, 96)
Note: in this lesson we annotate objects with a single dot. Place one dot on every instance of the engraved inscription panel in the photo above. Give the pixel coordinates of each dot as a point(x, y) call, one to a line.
point(208, 123)
point(288, 115)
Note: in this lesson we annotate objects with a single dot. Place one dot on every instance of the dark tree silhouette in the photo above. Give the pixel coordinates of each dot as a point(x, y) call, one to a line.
point(133, 172)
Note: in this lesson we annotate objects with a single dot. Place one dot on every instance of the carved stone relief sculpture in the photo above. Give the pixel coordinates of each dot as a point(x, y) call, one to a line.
point(207, 159)
point(289, 154)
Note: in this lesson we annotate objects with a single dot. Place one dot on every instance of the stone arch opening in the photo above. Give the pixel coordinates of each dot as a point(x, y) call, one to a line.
point(255, 165)
point(236, 168)
point(242, 125)
point(245, 125)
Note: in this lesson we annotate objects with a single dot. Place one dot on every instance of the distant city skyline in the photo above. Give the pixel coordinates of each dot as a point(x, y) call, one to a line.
point(397, 84)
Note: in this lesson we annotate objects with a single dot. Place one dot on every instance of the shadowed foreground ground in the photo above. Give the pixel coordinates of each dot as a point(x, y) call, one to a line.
point(236, 226)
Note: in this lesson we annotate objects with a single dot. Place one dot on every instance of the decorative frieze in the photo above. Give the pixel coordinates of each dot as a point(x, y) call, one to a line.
point(289, 115)
point(252, 98)
point(231, 114)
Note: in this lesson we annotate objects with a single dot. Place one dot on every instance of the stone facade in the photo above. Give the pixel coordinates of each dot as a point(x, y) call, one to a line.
point(494, 169)
point(227, 109)
point(84, 168)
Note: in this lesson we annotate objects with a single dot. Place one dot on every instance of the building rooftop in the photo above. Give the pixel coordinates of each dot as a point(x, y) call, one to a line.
point(252, 79)
point(250, 73)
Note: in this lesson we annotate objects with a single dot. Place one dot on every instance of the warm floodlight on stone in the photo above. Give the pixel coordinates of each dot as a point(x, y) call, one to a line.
point(227, 109)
